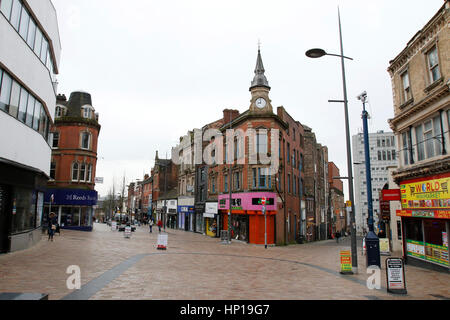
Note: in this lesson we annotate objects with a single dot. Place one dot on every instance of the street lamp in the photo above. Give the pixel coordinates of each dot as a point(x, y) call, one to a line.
point(318, 53)
point(372, 241)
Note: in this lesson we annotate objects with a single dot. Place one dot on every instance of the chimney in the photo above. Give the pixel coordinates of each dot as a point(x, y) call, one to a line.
point(229, 115)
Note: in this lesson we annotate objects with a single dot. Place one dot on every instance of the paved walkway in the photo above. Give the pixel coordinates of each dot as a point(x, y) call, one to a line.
point(196, 267)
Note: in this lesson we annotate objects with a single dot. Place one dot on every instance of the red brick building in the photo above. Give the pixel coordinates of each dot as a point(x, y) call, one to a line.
point(74, 160)
point(336, 200)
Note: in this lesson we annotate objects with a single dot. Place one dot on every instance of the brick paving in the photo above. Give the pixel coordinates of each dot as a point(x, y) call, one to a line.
point(196, 267)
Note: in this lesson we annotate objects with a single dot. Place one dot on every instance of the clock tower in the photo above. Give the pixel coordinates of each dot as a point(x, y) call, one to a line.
point(260, 89)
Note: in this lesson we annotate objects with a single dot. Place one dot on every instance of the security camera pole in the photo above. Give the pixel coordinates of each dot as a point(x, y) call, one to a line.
point(372, 241)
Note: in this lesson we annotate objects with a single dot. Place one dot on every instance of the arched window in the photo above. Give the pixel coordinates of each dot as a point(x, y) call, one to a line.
point(75, 169)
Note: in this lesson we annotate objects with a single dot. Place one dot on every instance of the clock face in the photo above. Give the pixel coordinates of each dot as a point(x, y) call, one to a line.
point(261, 103)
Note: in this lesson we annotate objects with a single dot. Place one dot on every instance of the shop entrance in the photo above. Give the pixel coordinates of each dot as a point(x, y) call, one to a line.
point(239, 227)
point(4, 219)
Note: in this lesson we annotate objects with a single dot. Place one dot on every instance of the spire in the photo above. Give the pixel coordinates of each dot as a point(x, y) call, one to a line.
point(260, 79)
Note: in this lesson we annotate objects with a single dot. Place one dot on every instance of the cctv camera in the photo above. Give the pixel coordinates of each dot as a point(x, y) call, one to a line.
point(362, 95)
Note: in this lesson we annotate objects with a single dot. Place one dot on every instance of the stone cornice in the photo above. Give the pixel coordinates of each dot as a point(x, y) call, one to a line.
point(422, 170)
point(438, 94)
point(421, 39)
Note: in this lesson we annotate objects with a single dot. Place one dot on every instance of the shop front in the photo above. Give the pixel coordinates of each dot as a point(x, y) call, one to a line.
point(425, 218)
point(74, 208)
point(198, 218)
point(211, 219)
point(185, 217)
point(21, 206)
point(247, 218)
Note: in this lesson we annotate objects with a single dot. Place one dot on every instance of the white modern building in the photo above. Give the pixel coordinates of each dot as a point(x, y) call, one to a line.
point(383, 154)
point(30, 52)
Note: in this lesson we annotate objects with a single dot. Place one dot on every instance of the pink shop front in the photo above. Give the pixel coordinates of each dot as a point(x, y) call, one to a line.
point(247, 218)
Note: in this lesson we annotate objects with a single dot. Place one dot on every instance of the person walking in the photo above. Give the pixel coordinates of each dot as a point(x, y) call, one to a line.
point(150, 224)
point(51, 226)
point(160, 224)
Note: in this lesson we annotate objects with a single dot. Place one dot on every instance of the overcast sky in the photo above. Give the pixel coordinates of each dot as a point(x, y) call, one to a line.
point(156, 69)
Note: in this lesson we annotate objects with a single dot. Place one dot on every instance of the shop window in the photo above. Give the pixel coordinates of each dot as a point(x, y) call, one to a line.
point(24, 210)
point(434, 231)
point(413, 228)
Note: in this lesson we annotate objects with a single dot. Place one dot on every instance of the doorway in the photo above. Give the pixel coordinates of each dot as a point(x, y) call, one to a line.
point(5, 196)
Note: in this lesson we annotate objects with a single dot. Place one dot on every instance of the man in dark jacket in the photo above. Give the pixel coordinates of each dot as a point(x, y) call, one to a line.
point(52, 222)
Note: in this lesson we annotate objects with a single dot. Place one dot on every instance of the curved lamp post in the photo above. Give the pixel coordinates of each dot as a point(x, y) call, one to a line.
point(318, 53)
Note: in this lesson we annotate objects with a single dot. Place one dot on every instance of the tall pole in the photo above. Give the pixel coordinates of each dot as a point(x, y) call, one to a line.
point(372, 241)
point(349, 158)
point(230, 156)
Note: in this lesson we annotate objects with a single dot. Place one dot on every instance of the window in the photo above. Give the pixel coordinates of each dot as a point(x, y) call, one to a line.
point(255, 177)
point(24, 22)
point(53, 171)
point(86, 140)
point(75, 171)
point(399, 230)
point(406, 87)
point(262, 178)
point(389, 155)
point(55, 143)
point(261, 142)
point(37, 111)
point(31, 33)
point(38, 42)
point(89, 173)
point(379, 155)
point(15, 14)
point(30, 110)
point(15, 97)
point(87, 112)
point(433, 65)
point(213, 184)
point(44, 50)
point(288, 150)
point(237, 180)
point(23, 104)
point(429, 137)
point(225, 183)
point(58, 112)
point(5, 8)
point(5, 91)
point(289, 183)
point(83, 172)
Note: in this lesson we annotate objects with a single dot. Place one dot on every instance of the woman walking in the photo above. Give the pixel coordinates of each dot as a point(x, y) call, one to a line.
point(51, 226)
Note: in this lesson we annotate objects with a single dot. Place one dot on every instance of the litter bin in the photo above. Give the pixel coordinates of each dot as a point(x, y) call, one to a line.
point(373, 250)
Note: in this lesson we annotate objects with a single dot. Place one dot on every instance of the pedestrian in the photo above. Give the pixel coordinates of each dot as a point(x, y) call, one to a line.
point(51, 226)
point(338, 235)
point(150, 223)
point(159, 225)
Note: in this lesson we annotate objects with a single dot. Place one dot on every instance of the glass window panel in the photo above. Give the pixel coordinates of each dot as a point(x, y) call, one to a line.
point(36, 115)
point(89, 173)
point(15, 97)
point(24, 22)
point(30, 110)
point(433, 231)
point(83, 172)
point(420, 144)
point(429, 144)
point(75, 171)
point(15, 14)
point(5, 91)
point(438, 135)
point(38, 42)
point(25, 205)
point(262, 143)
point(5, 7)
point(23, 104)
point(31, 33)
point(432, 57)
point(42, 122)
point(44, 50)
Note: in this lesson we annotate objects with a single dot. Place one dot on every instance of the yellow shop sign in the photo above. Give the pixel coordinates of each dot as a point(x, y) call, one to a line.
point(428, 194)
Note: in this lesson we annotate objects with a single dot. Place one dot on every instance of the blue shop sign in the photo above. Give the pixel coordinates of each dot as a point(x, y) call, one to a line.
point(72, 197)
point(186, 209)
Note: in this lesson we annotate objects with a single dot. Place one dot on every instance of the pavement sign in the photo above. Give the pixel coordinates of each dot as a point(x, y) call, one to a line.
point(395, 276)
point(162, 241)
point(127, 233)
point(346, 262)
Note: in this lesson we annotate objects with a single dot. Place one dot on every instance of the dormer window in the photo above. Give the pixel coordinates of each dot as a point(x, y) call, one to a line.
point(87, 112)
point(60, 111)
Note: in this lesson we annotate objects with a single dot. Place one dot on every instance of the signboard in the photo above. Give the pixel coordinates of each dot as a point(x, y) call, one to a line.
point(426, 194)
point(391, 195)
point(211, 208)
point(385, 210)
point(72, 197)
point(162, 241)
point(395, 276)
point(114, 226)
point(436, 214)
point(346, 261)
point(127, 232)
point(384, 246)
point(99, 180)
point(428, 252)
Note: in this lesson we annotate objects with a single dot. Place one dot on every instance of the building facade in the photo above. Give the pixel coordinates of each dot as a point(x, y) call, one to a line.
point(383, 154)
point(421, 123)
point(338, 214)
point(74, 139)
point(29, 62)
